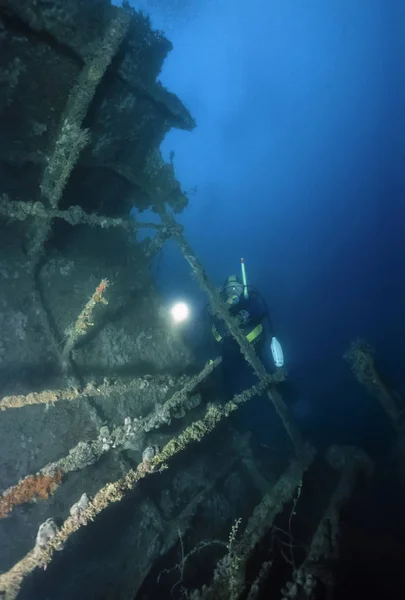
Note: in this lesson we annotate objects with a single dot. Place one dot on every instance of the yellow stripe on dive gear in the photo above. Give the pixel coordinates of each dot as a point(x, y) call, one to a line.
point(254, 334)
point(251, 336)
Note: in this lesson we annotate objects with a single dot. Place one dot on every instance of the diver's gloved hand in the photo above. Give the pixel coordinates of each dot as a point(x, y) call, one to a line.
point(243, 317)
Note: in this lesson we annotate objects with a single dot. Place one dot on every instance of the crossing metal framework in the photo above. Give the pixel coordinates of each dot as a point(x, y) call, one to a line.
point(69, 142)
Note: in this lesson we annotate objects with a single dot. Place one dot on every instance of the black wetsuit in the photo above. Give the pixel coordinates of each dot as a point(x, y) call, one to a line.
point(256, 325)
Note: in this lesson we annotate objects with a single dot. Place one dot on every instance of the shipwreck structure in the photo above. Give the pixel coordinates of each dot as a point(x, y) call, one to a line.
point(122, 476)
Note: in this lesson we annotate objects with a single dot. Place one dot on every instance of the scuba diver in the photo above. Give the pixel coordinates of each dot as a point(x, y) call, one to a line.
point(247, 305)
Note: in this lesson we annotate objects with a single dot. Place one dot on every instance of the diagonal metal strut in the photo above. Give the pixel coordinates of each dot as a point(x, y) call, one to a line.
point(246, 349)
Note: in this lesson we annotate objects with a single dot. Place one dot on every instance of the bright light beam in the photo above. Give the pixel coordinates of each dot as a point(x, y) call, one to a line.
point(180, 312)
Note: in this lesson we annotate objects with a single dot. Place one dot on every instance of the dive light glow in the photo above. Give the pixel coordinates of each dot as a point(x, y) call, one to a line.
point(180, 312)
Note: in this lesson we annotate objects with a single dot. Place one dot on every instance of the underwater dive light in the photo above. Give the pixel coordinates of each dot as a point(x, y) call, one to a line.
point(180, 312)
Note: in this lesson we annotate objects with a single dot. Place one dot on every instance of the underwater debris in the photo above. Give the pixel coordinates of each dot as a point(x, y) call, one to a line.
point(72, 139)
point(78, 510)
point(130, 430)
point(68, 143)
point(84, 454)
point(47, 397)
point(360, 357)
point(81, 456)
point(47, 532)
point(259, 581)
point(105, 389)
point(229, 578)
point(177, 405)
point(148, 454)
point(221, 310)
point(115, 492)
point(351, 462)
point(33, 487)
point(17, 210)
point(84, 320)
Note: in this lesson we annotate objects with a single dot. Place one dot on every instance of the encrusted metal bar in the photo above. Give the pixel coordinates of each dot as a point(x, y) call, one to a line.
point(16, 210)
point(219, 308)
point(12, 580)
point(361, 360)
point(71, 138)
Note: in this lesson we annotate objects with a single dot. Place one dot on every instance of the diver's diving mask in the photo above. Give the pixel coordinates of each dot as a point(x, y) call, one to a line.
point(232, 290)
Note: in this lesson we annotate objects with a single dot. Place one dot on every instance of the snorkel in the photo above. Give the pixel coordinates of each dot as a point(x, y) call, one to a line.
point(244, 281)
